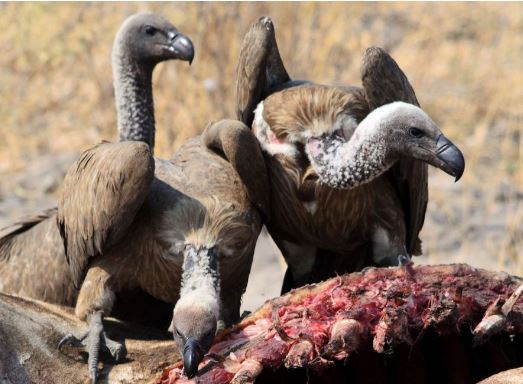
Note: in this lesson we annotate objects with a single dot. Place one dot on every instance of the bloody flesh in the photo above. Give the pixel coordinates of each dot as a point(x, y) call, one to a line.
point(318, 325)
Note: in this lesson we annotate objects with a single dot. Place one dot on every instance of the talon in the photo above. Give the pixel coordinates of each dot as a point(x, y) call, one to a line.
point(403, 260)
point(93, 341)
point(69, 340)
point(72, 341)
point(117, 350)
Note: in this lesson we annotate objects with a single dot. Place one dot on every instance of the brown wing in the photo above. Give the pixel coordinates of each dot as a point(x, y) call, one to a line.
point(102, 193)
point(260, 68)
point(24, 224)
point(241, 148)
point(385, 82)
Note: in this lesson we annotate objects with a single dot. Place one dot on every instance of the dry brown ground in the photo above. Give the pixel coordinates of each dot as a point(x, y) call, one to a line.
point(465, 61)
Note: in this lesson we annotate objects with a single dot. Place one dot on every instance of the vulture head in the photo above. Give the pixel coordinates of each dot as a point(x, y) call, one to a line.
point(410, 132)
point(194, 330)
point(216, 243)
point(148, 38)
point(195, 315)
point(323, 123)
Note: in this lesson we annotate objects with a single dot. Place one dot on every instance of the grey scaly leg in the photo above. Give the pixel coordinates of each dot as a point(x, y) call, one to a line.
point(95, 339)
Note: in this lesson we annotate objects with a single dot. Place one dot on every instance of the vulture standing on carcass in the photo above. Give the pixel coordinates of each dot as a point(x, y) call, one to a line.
point(347, 165)
point(182, 230)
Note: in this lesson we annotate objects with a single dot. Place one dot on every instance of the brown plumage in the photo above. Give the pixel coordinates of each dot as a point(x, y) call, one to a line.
point(32, 260)
point(132, 223)
point(132, 218)
point(348, 179)
point(32, 255)
point(258, 53)
point(182, 230)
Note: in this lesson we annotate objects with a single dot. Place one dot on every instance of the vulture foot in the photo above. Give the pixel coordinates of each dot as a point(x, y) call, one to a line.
point(403, 260)
point(94, 340)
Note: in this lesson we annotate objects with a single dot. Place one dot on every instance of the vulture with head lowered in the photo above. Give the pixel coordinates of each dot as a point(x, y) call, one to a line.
point(347, 165)
point(182, 230)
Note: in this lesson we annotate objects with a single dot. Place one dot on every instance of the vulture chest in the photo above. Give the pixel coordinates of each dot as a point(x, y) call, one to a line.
point(196, 197)
point(338, 220)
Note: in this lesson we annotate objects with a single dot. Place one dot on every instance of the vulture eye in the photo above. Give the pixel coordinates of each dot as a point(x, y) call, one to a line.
point(415, 132)
point(178, 333)
point(151, 31)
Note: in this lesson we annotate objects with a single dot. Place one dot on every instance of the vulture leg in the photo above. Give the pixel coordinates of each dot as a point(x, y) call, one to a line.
point(300, 264)
point(95, 299)
point(233, 285)
point(388, 248)
point(93, 340)
point(389, 232)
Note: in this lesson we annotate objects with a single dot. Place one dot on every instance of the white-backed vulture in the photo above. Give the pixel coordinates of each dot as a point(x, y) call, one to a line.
point(347, 165)
point(182, 230)
point(126, 228)
point(32, 255)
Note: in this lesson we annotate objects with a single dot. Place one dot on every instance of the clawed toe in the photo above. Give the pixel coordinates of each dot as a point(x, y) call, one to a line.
point(71, 341)
point(116, 350)
point(93, 341)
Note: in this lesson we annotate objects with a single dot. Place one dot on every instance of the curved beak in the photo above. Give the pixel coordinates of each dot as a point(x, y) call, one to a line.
point(192, 355)
point(182, 46)
point(452, 160)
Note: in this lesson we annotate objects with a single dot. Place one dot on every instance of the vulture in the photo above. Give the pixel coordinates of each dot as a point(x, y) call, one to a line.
point(182, 230)
point(32, 255)
point(347, 165)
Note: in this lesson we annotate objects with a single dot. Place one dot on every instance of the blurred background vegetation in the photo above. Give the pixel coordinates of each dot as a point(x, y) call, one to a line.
point(465, 61)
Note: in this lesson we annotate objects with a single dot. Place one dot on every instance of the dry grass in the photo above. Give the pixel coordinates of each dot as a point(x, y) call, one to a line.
point(464, 59)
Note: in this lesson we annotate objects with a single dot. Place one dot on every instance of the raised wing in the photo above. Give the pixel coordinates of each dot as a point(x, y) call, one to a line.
point(101, 195)
point(260, 68)
point(241, 148)
point(385, 82)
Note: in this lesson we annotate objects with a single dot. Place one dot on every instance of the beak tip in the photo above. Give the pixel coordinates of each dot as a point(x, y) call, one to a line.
point(192, 355)
point(453, 161)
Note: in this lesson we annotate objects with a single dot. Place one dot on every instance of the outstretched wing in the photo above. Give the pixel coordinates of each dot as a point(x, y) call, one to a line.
point(101, 195)
point(384, 82)
point(260, 68)
point(241, 148)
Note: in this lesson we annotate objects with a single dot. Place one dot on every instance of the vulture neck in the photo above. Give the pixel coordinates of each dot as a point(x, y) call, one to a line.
point(346, 164)
point(200, 279)
point(134, 97)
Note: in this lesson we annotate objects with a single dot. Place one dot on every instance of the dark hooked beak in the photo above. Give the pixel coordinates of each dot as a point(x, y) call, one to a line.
point(182, 46)
point(451, 157)
point(192, 355)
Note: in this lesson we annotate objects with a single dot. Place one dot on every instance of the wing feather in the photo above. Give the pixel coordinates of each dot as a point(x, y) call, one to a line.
point(260, 68)
point(101, 195)
point(385, 82)
point(20, 226)
point(241, 148)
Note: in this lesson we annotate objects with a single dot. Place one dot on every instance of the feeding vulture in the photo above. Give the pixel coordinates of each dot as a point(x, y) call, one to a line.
point(347, 165)
point(183, 230)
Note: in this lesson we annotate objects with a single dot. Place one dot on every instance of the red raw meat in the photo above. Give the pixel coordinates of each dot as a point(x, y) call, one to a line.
point(316, 326)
